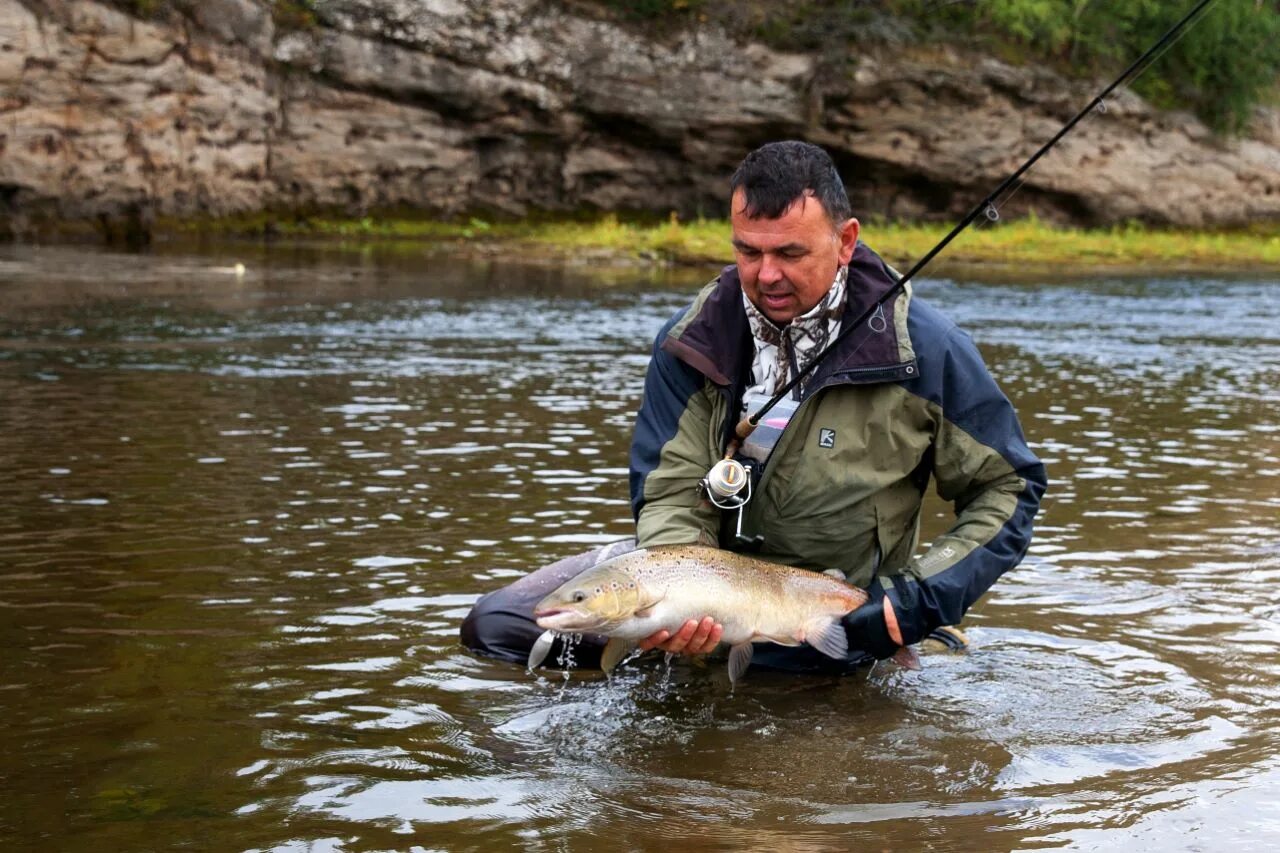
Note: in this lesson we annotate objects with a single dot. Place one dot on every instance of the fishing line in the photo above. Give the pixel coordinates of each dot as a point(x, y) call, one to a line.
point(987, 207)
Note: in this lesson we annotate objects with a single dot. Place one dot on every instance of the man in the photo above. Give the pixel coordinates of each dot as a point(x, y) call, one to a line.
point(902, 401)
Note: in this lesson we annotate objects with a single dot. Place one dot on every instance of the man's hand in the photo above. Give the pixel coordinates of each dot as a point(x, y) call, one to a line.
point(873, 628)
point(693, 638)
point(891, 621)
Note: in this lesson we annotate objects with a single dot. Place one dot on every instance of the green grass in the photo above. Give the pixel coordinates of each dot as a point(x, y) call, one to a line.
point(1029, 241)
point(701, 242)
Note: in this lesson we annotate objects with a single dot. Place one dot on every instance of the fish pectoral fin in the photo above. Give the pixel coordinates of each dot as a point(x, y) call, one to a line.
point(541, 647)
point(644, 610)
point(739, 660)
point(614, 651)
point(907, 658)
point(830, 639)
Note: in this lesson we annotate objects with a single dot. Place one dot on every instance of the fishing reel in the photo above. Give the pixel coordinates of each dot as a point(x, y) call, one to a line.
point(728, 487)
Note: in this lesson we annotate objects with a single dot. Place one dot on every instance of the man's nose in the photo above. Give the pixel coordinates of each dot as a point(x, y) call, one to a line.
point(770, 272)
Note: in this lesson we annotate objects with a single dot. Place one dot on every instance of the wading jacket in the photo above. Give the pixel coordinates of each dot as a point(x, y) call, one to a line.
point(843, 487)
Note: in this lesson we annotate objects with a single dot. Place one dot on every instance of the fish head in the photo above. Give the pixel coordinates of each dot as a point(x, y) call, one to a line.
point(596, 600)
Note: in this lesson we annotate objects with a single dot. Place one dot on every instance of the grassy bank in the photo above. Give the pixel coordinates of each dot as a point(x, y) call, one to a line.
point(1027, 242)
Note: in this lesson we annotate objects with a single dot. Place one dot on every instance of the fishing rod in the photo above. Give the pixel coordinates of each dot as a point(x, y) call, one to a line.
point(728, 477)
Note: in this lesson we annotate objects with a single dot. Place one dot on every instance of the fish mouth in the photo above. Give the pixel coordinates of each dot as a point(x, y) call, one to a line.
point(564, 619)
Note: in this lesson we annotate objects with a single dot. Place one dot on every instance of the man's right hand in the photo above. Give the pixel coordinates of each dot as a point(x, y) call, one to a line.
point(693, 638)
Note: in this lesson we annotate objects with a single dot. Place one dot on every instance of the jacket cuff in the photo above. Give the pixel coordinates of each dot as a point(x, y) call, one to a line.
point(909, 606)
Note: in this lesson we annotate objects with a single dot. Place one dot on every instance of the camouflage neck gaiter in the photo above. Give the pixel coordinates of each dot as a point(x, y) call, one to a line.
point(805, 336)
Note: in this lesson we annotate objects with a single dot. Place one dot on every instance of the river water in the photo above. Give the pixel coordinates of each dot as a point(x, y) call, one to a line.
point(244, 515)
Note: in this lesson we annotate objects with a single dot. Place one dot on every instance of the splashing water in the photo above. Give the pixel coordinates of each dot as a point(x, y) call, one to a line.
point(566, 659)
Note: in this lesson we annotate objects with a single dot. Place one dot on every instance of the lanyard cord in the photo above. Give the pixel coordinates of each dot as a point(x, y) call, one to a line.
point(747, 425)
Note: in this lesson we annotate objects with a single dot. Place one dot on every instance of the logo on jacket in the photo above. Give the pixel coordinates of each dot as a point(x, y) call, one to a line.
point(826, 437)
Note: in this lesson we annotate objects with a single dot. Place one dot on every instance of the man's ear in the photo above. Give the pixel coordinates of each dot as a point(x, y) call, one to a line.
point(848, 239)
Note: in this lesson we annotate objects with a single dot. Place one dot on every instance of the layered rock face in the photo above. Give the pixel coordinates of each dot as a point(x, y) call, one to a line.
point(450, 107)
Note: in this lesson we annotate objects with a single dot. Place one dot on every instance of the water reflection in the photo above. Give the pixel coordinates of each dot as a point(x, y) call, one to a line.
point(247, 515)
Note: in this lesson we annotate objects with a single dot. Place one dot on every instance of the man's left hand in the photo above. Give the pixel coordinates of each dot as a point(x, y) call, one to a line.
point(873, 628)
point(891, 621)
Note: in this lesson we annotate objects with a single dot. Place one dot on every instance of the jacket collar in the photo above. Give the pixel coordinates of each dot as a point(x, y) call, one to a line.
point(714, 338)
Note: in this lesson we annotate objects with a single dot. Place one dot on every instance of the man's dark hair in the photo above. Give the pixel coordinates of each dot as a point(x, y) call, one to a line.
point(776, 174)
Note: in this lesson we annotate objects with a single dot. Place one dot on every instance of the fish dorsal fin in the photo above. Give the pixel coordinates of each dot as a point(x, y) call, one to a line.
point(830, 639)
point(739, 660)
point(614, 651)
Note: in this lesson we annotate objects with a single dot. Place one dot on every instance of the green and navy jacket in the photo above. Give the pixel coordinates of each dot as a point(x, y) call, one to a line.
point(843, 487)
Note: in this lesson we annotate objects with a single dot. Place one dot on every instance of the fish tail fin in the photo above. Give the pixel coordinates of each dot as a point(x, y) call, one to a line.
point(907, 658)
point(829, 638)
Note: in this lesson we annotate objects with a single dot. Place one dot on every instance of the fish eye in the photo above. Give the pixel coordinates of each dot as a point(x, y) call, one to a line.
point(579, 596)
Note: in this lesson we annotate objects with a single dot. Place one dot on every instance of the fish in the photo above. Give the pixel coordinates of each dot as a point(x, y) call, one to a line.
point(633, 595)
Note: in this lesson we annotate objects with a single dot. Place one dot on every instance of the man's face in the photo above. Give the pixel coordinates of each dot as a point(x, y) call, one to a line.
point(787, 264)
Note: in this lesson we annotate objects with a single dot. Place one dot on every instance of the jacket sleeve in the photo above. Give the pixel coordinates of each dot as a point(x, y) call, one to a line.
point(670, 454)
point(982, 464)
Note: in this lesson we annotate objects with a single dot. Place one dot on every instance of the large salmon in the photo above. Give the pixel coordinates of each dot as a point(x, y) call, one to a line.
point(631, 596)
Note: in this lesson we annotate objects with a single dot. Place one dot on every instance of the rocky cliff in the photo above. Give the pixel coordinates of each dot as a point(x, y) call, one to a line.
point(212, 109)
